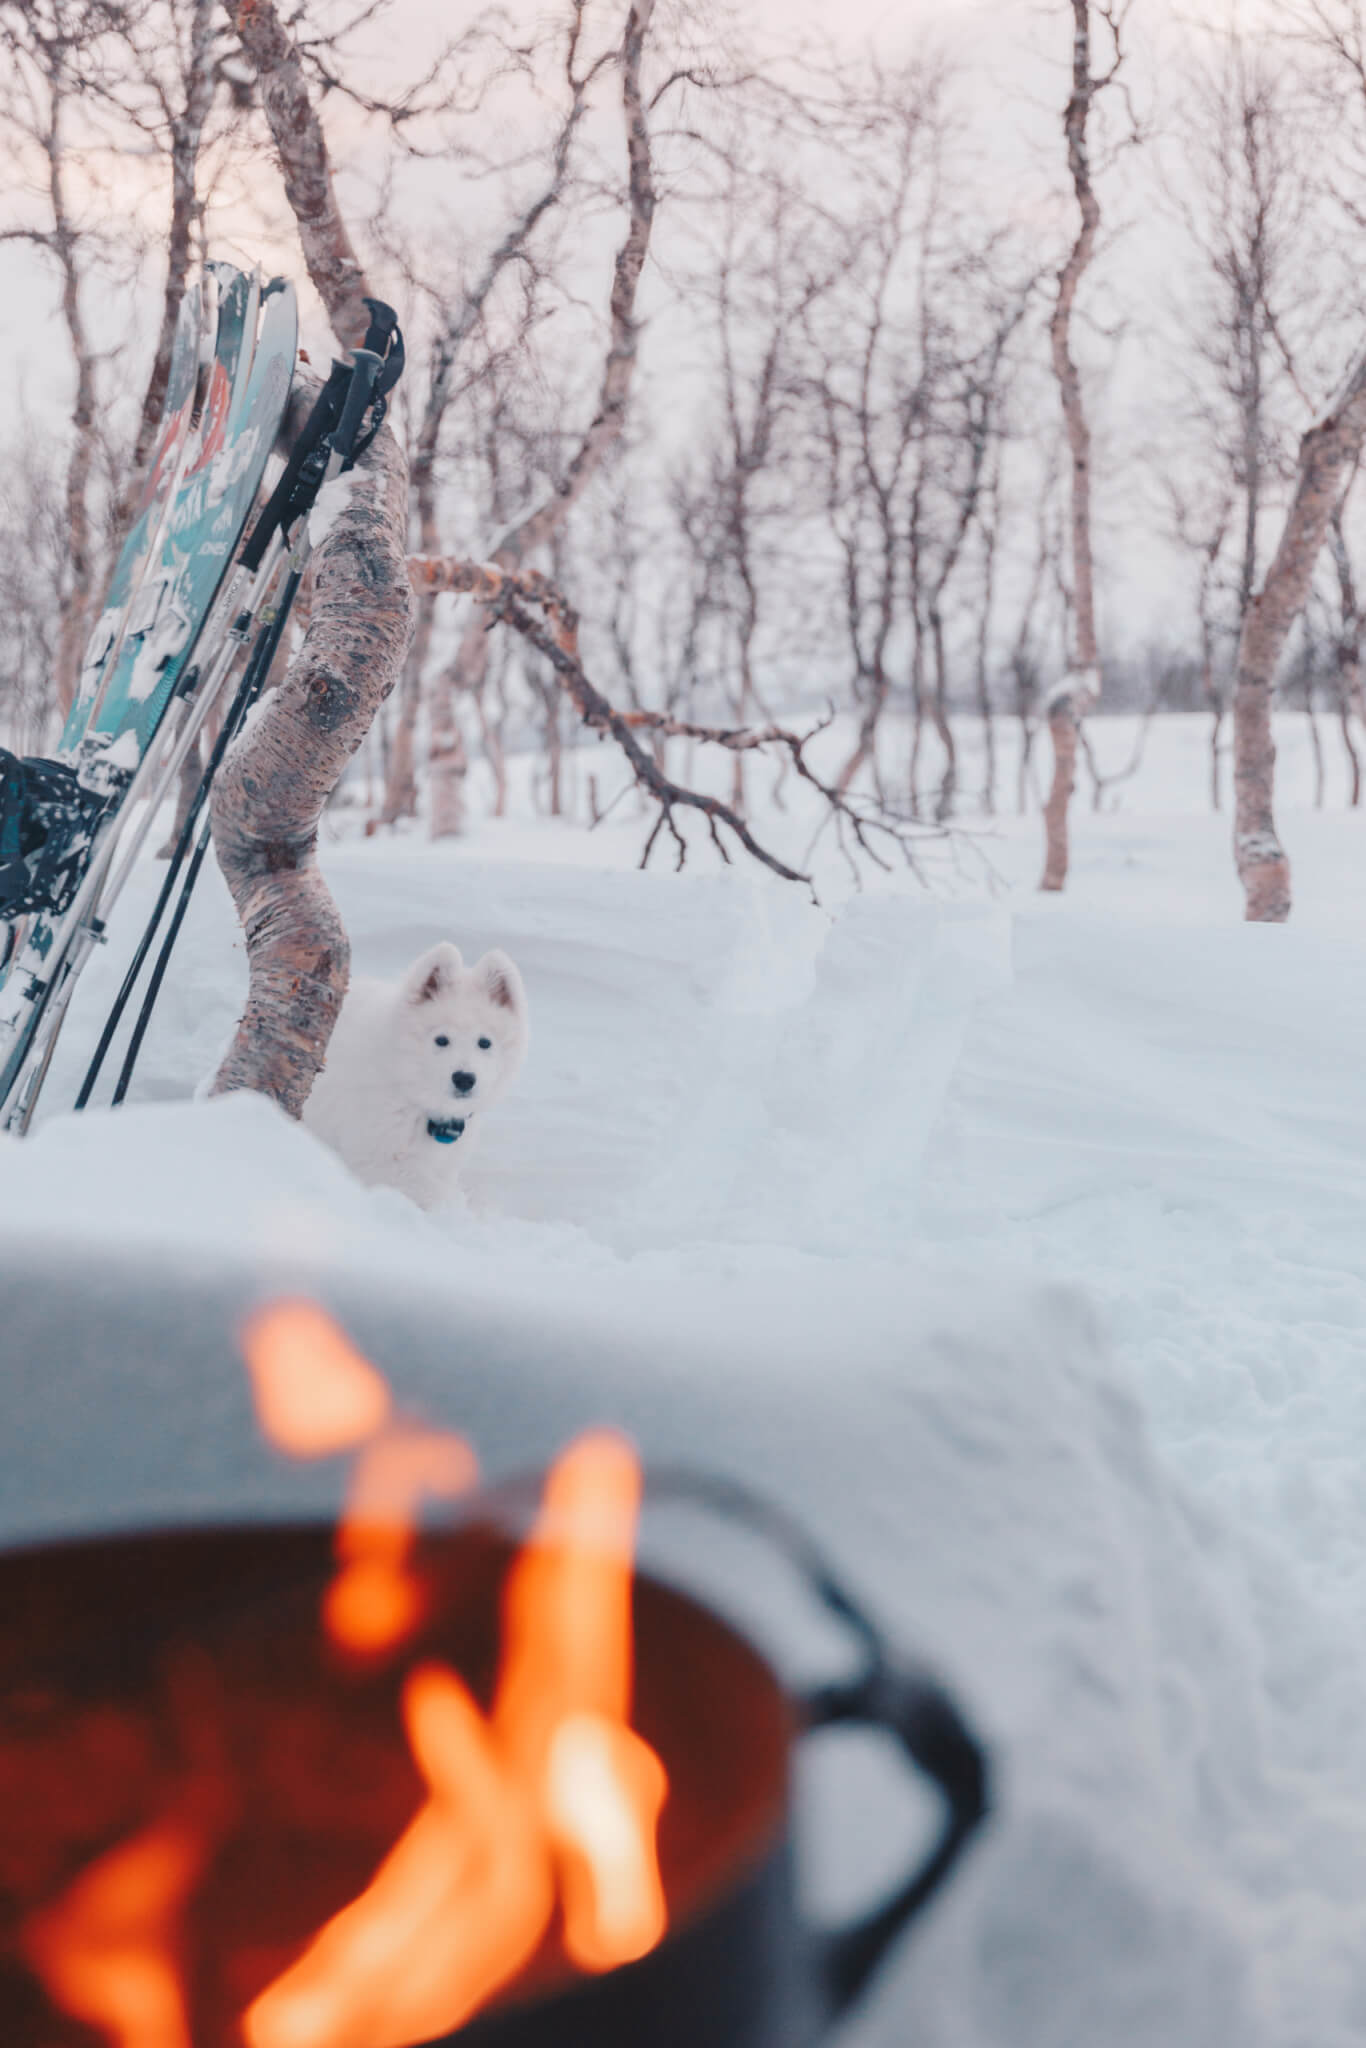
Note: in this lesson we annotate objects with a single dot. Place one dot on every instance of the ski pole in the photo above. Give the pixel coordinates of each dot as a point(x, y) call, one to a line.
point(257, 668)
point(246, 697)
point(373, 373)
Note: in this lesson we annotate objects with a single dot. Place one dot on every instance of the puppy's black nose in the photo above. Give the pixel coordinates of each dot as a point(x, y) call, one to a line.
point(462, 1083)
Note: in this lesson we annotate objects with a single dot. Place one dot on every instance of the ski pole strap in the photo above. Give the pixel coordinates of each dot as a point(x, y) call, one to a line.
point(343, 440)
point(384, 343)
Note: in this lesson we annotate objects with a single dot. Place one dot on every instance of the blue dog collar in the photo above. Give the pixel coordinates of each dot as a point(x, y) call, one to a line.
point(447, 1130)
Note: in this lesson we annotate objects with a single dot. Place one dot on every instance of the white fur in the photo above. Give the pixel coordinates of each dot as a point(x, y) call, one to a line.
point(386, 1076)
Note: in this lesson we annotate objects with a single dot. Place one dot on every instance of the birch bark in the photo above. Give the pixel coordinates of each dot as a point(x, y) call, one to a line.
point(1074, 696)
point(1327, 451)
point(301, 148)
point(270, 793)
point(276, 780)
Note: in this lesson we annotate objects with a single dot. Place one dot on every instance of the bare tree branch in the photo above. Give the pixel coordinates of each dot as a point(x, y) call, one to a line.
point(186, 132)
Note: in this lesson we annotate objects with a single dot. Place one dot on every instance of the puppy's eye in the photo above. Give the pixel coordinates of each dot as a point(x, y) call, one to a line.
point(486, 1045)
point(442, 1039)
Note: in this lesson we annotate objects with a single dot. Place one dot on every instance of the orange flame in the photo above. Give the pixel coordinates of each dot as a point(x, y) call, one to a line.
point(455, 1910)
point(564, 1697)
point(554, 1792)
point(603, 1793)
point(374, 1602)
point(105, 1950)
point(315, 1394)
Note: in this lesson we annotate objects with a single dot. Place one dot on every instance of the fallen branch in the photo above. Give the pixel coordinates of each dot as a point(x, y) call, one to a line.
point(506, 592)
point(491, 582)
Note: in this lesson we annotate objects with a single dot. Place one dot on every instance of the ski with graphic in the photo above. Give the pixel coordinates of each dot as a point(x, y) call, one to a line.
point(46, 818)
point(159, 481)
point(211, 455)
point(247, 390)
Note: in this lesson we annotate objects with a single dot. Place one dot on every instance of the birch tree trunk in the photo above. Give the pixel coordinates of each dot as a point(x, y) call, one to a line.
point(1077, 692)
point(989, 526)
point(273, 787)
point(1327, 451)
point(301, 148)
point(467, 671)
point(400, 782)
point(275, 782)
point(1348, 653)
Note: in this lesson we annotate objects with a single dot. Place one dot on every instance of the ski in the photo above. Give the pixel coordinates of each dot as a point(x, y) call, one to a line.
point(344, 419)
point(159, 484)
point(65, 844)
point(144, 693)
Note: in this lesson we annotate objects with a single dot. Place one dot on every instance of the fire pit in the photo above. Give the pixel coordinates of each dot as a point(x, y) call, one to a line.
point(419, 1778)
point(201, 1778)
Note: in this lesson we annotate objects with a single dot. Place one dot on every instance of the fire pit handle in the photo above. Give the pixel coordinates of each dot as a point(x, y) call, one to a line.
point(887, 1693)
point(915, 1708)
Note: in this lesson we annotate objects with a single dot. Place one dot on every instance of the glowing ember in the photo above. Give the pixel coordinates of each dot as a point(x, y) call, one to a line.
point(105, 1950)
point(315, 1394)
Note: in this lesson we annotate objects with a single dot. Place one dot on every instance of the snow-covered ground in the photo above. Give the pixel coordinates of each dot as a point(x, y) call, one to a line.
point(811, 1192)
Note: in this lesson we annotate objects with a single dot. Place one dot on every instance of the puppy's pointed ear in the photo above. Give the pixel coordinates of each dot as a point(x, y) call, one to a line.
point(501, 982)
point(432, 973)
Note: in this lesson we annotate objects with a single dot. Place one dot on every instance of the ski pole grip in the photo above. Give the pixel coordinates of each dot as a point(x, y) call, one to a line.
point(383, 326)
point(364, 375)
point(385, 338)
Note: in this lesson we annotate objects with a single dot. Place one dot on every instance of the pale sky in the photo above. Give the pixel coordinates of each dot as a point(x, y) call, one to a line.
point(1013, 56)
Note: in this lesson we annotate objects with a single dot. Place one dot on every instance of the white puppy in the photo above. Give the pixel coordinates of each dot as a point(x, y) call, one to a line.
point(413, 1068)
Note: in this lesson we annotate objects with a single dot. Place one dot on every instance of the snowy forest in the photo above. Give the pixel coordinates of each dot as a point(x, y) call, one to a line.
point(852, 389)
point(682, 960)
